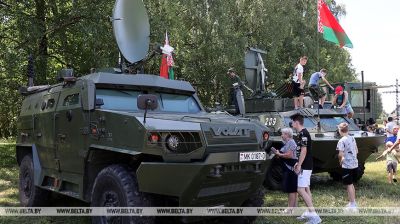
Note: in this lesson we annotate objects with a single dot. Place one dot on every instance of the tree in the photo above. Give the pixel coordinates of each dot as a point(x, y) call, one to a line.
point(209, 37)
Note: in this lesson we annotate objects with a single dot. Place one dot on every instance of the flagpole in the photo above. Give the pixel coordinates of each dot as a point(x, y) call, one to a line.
point(317, 33)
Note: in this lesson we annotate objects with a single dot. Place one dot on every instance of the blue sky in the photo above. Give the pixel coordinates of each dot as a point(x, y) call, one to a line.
point(374, 28)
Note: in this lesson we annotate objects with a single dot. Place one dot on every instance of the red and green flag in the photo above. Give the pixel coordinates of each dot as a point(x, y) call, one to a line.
point(167, 61)
point(329, 26)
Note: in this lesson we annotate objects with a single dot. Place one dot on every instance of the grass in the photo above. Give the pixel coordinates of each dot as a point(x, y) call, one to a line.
point(372, 191)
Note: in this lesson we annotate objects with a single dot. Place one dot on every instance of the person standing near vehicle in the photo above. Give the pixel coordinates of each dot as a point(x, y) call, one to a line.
point(391, 162)
point(341, 100)
point(348, 151)
point(389, 129)
point(304, 167)
point(234, 79)
point(315, 89)
point(289, 158)
point(298, 83)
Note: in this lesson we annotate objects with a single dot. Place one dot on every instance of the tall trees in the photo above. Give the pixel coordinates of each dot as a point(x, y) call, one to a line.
point(209, 36)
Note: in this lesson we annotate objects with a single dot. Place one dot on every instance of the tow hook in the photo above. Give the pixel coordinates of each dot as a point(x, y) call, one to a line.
point(257, 168)
point(216, 171)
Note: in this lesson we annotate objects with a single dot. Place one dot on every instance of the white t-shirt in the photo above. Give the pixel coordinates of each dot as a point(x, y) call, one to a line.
point(297, 70)
point(389, 127)
point(348, 145)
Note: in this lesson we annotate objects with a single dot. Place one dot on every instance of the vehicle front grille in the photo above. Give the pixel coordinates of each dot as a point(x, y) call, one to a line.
point(223, 140)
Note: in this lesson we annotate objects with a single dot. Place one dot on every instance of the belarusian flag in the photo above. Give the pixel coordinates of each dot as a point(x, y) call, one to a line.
point(167, 61)
point(329, 26)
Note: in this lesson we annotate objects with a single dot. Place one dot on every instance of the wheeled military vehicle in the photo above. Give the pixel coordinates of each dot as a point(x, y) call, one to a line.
point(114, 139)
point(274, 108)
point(366, 108)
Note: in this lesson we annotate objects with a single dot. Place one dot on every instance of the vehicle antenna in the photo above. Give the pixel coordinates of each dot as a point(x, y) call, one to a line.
point(31, 71)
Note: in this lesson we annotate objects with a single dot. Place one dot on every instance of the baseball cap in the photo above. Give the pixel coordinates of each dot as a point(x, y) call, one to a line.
point(338, 89)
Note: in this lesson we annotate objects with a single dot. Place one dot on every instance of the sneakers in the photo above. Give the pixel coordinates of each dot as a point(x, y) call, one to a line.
point(304, 216)
point(351, 207)
point(310, 218)
point(314, 220)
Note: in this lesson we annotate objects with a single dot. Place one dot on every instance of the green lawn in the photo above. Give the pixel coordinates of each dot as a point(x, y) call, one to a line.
point(372, 191)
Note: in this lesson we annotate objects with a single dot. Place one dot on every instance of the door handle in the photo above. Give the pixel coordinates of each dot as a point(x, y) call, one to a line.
point(69, 115)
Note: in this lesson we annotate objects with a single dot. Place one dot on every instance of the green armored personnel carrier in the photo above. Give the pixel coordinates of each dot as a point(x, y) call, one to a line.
point(274, 108)
point(114, 139)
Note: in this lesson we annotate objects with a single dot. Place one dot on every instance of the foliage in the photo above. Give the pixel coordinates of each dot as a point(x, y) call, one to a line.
point(209, 36)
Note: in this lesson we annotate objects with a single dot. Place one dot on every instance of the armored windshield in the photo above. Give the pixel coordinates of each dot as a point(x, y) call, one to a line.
point(308, 122)
point(331, 123)
point(126, 100)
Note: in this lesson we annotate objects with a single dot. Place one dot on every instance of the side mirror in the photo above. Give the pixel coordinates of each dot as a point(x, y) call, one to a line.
point(88, 95)
point(99, 102)
point(147, 101)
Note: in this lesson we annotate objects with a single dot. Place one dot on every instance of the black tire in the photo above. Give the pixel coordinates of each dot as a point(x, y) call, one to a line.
point(115, 186)
point(273, 178)
point(337, 175)
point(256, 200)
point(29, 194)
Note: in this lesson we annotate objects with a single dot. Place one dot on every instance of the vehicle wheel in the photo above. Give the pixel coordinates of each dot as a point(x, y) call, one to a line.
point(273, 178)
point(256, 200)
point(337, 175)
point(115, 186)
point(29, 194)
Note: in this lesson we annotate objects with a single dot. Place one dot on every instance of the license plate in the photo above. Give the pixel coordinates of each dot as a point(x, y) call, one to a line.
point(252, 156)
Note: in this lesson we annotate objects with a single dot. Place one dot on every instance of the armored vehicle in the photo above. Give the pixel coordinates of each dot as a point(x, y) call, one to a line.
point(274, 108)
point(120, 140)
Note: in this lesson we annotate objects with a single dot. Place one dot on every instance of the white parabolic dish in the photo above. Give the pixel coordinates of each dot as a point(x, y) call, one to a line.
point(131, 29)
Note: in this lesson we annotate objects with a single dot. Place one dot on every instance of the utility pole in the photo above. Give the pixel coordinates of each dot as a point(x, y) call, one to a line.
point(363, 96)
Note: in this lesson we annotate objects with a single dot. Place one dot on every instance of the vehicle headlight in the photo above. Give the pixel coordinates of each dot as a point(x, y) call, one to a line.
point(172, 142)
point(175, 142)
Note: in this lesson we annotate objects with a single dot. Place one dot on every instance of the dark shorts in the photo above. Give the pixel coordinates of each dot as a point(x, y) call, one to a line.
point(289, 182)
point(349, 176)
point(391, 165)
point(316, 92)
point(296, 89)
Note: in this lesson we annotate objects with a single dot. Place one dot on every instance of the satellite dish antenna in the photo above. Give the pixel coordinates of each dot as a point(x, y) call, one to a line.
point(131, 29)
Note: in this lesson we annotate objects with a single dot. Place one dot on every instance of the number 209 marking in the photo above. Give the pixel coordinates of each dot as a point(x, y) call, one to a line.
point(271, 121)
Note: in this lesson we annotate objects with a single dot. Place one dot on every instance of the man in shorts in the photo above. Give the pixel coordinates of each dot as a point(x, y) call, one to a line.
point(298, 83)
point(315, 89)
point(304, 167)
point(348, 151)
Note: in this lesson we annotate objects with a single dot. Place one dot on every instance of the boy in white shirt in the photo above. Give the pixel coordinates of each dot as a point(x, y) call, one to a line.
point(348, 151)
point(298, 83)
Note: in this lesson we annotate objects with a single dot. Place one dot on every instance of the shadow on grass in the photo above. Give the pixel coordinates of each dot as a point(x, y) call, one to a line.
point(7, 155)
